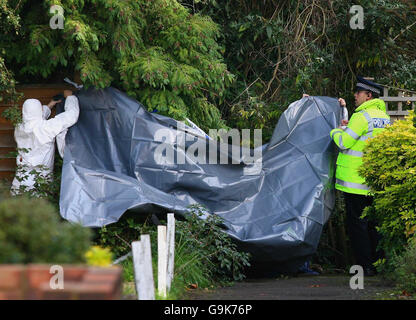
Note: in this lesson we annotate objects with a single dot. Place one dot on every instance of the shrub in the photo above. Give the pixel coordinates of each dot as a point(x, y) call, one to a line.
point(31, 232)
point(46, 186)
point(190, 268)
point(389, 167)
point(99, 257)
point(156, 51)
point(9, 22)
point(272, 67)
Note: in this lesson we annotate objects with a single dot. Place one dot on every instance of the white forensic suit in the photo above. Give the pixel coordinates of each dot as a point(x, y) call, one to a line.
point(35, 139)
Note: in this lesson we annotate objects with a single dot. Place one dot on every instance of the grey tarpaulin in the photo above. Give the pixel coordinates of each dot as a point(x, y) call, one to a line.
point(278, 214)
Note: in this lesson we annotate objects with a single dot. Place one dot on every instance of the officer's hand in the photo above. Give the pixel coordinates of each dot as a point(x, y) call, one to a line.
point(52, 103)
point(342, 102)
point(67, 93)
point(305, 95)
point(344, 122)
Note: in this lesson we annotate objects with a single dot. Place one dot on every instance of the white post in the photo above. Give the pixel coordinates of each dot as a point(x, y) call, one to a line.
point(171, 249)
point(162, 257)
point(143, 273)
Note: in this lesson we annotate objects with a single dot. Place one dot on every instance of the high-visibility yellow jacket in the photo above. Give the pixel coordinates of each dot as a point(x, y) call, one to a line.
point(368, 120)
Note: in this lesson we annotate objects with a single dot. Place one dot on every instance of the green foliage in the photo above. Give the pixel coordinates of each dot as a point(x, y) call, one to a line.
point(13, 114)
point(201, 246)
point(281, 49)
point(173, 56)
point(255, 112)
point(46, 186)
point(156, 51)
point(401, 74)
point(119, 236)
point(204, 234)
point(190, 267)
point(31, 232)
point(189, 271)
point(334, 250)
point(9, 22)
point(389, 167)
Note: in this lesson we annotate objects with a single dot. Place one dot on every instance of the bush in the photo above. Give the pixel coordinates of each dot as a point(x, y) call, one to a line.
point(119, 236)
point(204, 252)
point(190, 269)
point(389, 167)
point(190, 266)
point(31, 232)
point(99, 257)
point(46, 186)
point(405, 269)
point(273, 67)
point(220, 255)
point(9, 22)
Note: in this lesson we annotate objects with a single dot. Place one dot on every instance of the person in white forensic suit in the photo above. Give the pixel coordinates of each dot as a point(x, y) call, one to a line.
point(35, 139)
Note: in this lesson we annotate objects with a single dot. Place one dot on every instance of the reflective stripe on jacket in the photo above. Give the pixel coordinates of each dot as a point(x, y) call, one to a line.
point(369, 120)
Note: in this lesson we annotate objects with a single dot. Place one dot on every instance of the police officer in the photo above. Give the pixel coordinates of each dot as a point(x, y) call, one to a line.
point(368, 120)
